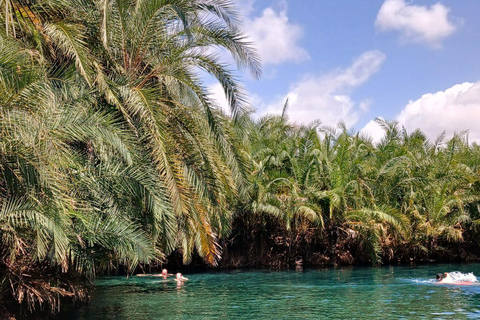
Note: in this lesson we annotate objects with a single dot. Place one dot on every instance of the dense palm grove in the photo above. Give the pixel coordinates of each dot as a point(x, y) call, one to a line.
point(327, 196)
point(112, 157)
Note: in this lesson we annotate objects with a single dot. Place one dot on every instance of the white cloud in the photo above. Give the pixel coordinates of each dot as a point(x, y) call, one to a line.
point(374, 131)
point(218, 96)
point(416, 23)
point(275, 37)
point(326, 97)
point(365, 105)
point(245, 7)
point(456, 109)
point(453, 110)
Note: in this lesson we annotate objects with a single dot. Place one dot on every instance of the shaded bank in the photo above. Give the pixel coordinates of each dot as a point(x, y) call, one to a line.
point(335, 247)
point(271, 247)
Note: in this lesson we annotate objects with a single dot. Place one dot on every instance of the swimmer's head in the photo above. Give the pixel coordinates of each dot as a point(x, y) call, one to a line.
point(164, 272)
point(179, 275)
point(440, 276)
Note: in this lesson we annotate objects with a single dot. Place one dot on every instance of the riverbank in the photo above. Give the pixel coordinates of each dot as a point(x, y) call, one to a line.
point(271, 246)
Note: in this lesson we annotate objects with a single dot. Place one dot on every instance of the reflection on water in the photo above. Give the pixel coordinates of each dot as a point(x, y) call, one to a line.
point(356, 293)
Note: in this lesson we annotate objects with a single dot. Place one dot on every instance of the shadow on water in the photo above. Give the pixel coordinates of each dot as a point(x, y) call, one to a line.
point(357, 293)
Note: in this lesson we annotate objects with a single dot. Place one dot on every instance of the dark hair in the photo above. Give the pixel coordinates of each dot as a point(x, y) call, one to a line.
point(440, 276)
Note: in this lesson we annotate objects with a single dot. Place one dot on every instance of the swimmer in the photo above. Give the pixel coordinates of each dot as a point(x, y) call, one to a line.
point(444, 278)
point(164, 274)
point(456, 278)
point(180, 278)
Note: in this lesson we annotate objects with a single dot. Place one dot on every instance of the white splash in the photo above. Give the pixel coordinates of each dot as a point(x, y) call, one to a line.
point(462, 277)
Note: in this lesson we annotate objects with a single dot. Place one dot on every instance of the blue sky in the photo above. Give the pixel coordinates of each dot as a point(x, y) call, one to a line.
point(417, 62)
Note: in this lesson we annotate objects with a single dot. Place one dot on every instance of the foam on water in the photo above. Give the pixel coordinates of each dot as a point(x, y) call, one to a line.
point(423, 281)
point(456, 276)
point(463, 277)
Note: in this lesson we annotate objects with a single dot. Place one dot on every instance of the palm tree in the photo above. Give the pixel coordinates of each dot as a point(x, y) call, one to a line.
point(152, 49)
point(47, 222)
point(430, 183)
point(111, 148)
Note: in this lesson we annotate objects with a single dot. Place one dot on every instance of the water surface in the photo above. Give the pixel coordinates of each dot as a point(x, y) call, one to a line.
point(342, 293)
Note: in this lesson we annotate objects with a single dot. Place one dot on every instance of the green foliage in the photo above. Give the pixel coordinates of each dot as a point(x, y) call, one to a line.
point(404, 192)
point(111, 153)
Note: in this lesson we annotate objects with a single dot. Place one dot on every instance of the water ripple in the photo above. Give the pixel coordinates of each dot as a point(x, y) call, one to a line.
point(355, 293)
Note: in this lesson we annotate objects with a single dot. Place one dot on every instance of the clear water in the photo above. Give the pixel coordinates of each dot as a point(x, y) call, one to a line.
point(342, 293)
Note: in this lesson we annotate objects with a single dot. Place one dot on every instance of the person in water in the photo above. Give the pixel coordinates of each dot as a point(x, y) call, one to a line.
point(164, 274)
point(444, 278)
point(457, 278)
point(180, 278)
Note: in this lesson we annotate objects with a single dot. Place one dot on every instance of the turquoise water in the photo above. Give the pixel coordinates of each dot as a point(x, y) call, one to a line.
point(342, 293)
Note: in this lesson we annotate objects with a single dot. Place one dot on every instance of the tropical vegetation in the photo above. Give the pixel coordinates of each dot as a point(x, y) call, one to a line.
point(329, 196)
point(112, 153)
point(114, 158)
